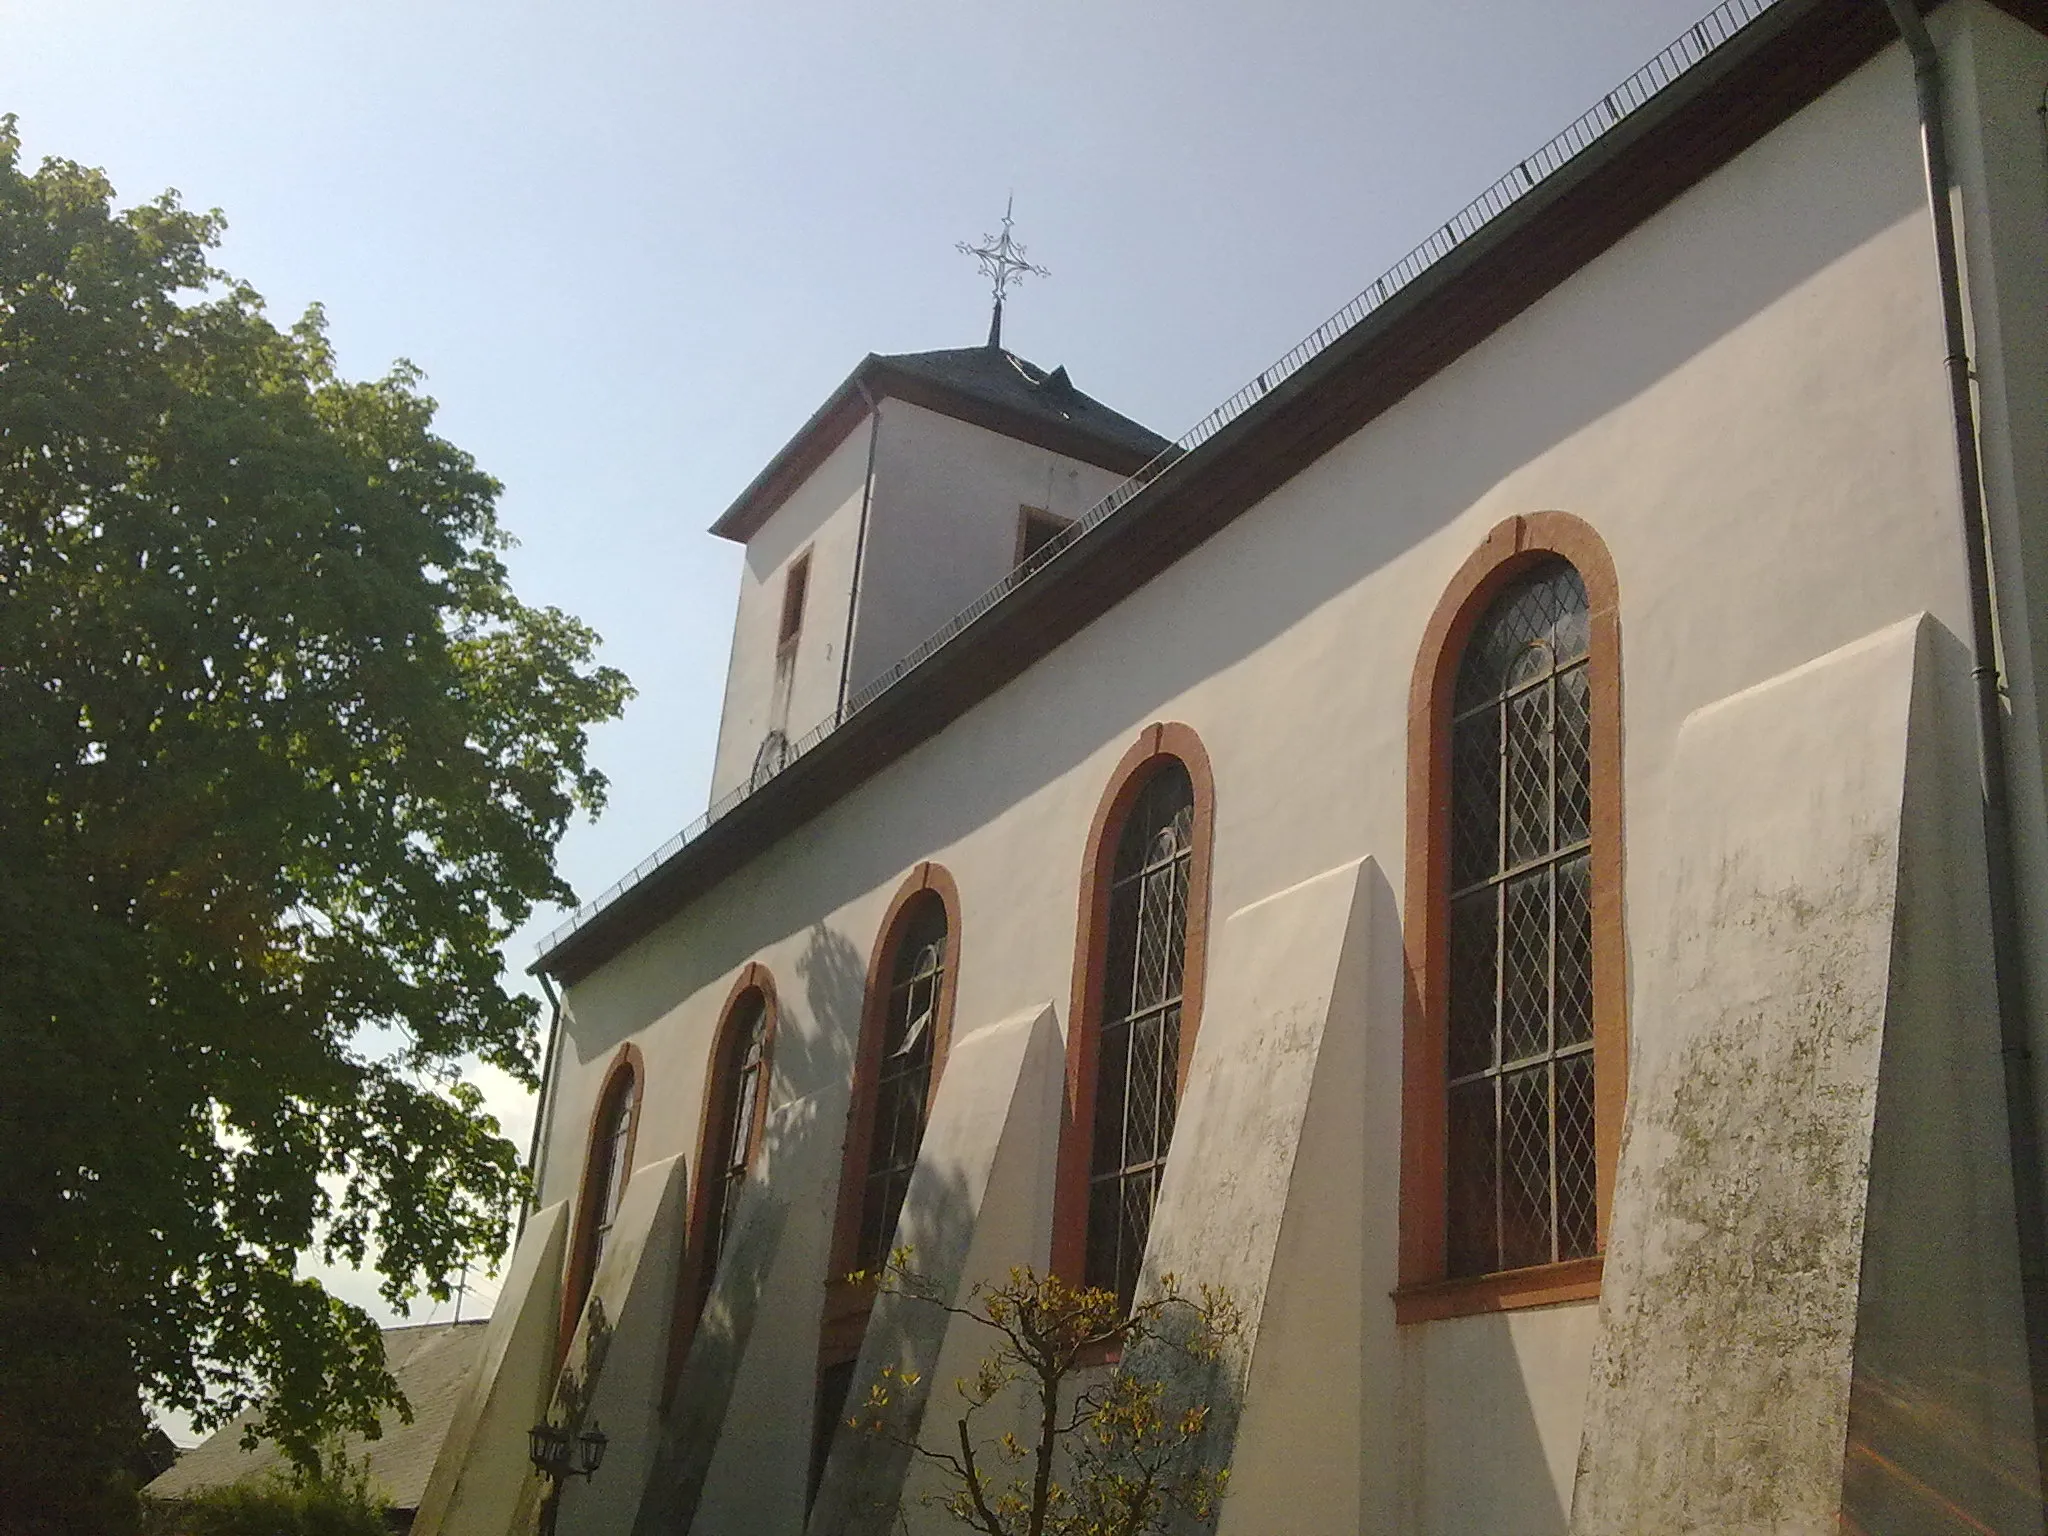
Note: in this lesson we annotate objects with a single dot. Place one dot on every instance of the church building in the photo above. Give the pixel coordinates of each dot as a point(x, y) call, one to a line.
point(1516, 847)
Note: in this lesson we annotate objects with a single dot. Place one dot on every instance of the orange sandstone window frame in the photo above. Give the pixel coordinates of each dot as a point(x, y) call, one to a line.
point(1512, 550)
point(607, 1166)
point(1158, 747)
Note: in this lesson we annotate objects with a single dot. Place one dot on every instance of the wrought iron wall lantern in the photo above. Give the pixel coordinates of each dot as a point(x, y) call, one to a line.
point(559, 1455)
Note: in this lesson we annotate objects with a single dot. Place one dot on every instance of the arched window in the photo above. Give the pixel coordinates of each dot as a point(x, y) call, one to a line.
point(903, 1075)
point(734, 1113)
point(1137, 1002)
point(606, 1166)
point(906, 1025)
point(1519, 1167)
point(743, 1095)
point(1516, 1053)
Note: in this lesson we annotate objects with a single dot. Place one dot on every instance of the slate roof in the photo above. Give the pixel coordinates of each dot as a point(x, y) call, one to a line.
point(988, 386)
point(1004, 379)
point(432, 1362)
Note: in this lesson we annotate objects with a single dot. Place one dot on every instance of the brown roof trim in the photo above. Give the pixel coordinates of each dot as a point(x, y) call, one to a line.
point(1782, 62)
point(846, 408)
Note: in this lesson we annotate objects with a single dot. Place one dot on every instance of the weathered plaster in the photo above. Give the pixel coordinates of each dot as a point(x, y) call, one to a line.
point(1753, 1266)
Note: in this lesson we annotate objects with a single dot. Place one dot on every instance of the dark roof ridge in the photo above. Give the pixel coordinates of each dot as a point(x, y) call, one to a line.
point(988, 386)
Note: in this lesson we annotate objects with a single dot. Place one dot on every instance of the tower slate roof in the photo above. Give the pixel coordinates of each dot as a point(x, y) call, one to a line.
point(988, 386)
point(1004, 380)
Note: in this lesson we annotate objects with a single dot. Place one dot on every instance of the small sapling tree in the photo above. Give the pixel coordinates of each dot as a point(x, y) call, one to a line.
point(1114, 1409)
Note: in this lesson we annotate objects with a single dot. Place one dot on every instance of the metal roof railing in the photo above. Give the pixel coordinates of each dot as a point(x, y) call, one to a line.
point(1699, 40)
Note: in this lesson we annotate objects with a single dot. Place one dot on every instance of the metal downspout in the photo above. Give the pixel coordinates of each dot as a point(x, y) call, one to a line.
point(2014, 1046)
point(860, 545)
point(544, 1103)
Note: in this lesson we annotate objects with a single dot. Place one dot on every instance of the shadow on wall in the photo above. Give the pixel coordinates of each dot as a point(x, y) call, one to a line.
point(1475, 1440)
point(860, 1477)
point(834, 977)
point(793, 1182)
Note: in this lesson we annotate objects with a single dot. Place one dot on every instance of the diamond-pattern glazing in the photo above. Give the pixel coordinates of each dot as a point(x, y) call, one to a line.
point(1574, 758)
point(1577, 1171)
point(1137, 1071)
point(1155, 935)
point(1538, 622)
point(1141, 1110)
point(1520, 984)
point(1525, 967)
point(1574, 1004)
point(1525, 802)
point(1525, 1194)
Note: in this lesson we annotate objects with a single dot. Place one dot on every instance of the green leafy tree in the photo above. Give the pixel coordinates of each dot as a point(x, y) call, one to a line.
point(1123, 1451)
point(283, 761)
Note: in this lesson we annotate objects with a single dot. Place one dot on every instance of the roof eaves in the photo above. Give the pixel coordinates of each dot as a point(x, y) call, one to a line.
point(843, 410)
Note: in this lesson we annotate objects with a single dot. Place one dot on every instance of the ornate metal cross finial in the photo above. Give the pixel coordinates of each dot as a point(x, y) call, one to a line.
point(1002, 261)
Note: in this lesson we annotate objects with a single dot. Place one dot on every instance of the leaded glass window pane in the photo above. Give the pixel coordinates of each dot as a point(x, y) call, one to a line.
point(1137, 1071)
point(611, 1159)
point(903, 1082)
point(746, 1064)
point(1519, 1051)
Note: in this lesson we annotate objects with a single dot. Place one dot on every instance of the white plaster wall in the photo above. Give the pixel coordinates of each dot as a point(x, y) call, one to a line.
point(822, 515)
point(943, 529)
point(1738, 397)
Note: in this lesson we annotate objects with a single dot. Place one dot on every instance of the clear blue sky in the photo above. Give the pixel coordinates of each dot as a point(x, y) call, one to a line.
point(633, 245)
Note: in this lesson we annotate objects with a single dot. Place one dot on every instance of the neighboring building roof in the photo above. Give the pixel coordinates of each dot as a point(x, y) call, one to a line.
point(985, 385)
point(432, 1362)
point(1594, 184)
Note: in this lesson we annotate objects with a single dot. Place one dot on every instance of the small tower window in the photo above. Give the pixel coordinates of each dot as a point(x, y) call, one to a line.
point(795, 586)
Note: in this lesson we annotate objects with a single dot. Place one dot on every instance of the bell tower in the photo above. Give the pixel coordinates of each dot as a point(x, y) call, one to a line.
point(923, 479)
